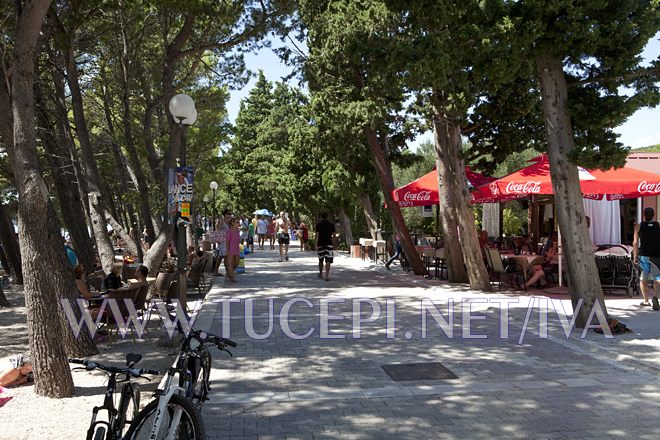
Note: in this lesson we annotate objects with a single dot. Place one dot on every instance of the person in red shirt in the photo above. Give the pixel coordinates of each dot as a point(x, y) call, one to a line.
point(304, 236)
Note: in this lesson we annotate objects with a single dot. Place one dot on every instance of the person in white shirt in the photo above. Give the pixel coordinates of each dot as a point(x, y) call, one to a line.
point(262, 231)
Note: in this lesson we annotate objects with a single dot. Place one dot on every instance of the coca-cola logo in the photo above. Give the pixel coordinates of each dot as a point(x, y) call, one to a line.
point(523, 188)
point(422, 196)
point(645, 187)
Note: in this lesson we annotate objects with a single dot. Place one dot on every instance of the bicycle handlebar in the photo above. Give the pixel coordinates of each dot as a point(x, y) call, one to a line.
point(203, 336)
point(221, 341)
point(92, 365)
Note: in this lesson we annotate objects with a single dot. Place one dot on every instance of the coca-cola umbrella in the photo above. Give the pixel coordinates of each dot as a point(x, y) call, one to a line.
point(424, 191)
point(535, 179)
point(621, 183)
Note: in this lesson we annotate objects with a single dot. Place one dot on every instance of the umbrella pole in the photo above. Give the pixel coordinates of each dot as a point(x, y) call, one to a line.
point(559, 255)
point(437, 223)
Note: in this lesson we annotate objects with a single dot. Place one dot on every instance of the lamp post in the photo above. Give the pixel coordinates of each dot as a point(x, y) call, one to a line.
point(214, 186)
point(206, 212)
point(182, 108)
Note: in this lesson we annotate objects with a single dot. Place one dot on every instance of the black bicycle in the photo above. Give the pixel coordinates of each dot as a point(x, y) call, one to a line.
point(176, 410)
point(195, 359)
point(129, 401)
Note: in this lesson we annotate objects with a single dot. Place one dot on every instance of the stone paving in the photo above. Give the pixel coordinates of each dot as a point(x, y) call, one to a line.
point(318, 387)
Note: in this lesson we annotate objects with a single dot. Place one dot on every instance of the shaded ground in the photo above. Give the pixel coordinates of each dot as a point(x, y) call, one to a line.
point(283, 388)
point(28, 416)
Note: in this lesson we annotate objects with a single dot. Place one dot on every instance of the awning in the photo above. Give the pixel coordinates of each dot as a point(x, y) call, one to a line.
point(424, 191)
point(621, 183)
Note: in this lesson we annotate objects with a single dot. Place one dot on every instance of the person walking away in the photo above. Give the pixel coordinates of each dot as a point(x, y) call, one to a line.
point(304, 236)
point(324, 233)
point(271, 233)
point(397, 252)
point(250, 240)
point(646, 247)
point(221, 227)
point(233, 249)
point(262, 231)
point(282, 227)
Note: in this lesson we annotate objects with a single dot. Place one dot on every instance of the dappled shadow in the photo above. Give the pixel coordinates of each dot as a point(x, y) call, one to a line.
point(336, 388)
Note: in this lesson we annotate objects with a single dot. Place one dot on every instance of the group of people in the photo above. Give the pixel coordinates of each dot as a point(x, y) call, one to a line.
point(230, 232)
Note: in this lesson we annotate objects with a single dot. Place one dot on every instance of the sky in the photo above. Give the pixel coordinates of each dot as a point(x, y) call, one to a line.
point(642, 128)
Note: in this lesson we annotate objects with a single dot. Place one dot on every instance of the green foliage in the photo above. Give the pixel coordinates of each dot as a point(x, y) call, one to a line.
point(649, 149)
point(514, 219)
point(274, 161)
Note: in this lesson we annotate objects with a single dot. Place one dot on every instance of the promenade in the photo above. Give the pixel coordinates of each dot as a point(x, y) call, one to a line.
point(331, 384)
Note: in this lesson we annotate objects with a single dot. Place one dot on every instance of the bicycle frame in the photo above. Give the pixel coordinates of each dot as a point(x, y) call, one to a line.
point(108, 405)
point(163, 400)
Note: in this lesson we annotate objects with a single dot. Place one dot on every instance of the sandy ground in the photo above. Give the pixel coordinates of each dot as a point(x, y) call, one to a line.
point(28, 416)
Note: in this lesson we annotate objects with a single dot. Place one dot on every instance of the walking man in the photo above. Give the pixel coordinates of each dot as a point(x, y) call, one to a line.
point(646, 246)
point(282, 226)
point(262, 230)
point(324, 233)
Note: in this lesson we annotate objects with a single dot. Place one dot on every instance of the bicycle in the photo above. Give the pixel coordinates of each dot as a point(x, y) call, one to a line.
point(175, 412)
point(196, 359)
point(129, 401)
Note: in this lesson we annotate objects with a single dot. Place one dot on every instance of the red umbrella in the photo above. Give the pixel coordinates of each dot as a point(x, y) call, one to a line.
point(619, 183)
point(424, 191)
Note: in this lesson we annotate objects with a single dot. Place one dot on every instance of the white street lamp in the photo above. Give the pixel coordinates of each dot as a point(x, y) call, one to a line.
point(182, 107)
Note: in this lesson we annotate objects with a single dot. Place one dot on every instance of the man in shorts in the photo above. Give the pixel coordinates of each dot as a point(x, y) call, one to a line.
point(262, 231)
point(646, 246)
point(324, 245)
point(282, 226)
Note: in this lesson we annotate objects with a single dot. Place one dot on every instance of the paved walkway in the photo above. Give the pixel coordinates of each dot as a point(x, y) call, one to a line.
point(320, 388)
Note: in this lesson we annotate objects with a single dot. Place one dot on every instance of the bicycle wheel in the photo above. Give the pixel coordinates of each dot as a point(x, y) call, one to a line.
point(129, 405)
point(191, 426)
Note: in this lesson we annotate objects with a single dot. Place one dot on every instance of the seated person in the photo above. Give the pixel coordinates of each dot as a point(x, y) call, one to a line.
point(19, 373)
point(538, 271)
point(483, 239)
point(81, 284)
point(113, 280)
point(141, 276)
point(191, 255)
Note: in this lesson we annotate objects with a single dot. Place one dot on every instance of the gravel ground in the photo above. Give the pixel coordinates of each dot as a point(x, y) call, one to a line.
point(28, 416)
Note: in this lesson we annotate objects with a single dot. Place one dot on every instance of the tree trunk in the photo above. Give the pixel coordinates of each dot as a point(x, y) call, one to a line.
point(346, 226)
point(64, 177)
point(39, 248)
point(454, 197)
point(154, 256)
point(387, 185)
point(142, 186)
point(65, 137)
point(580, 264)
point(10, 245)
point(96, 202)
point(65, 286)
point(4, 302)
point(7, 235)
point(119, 230)
point(123, 169)
point(367, 207)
